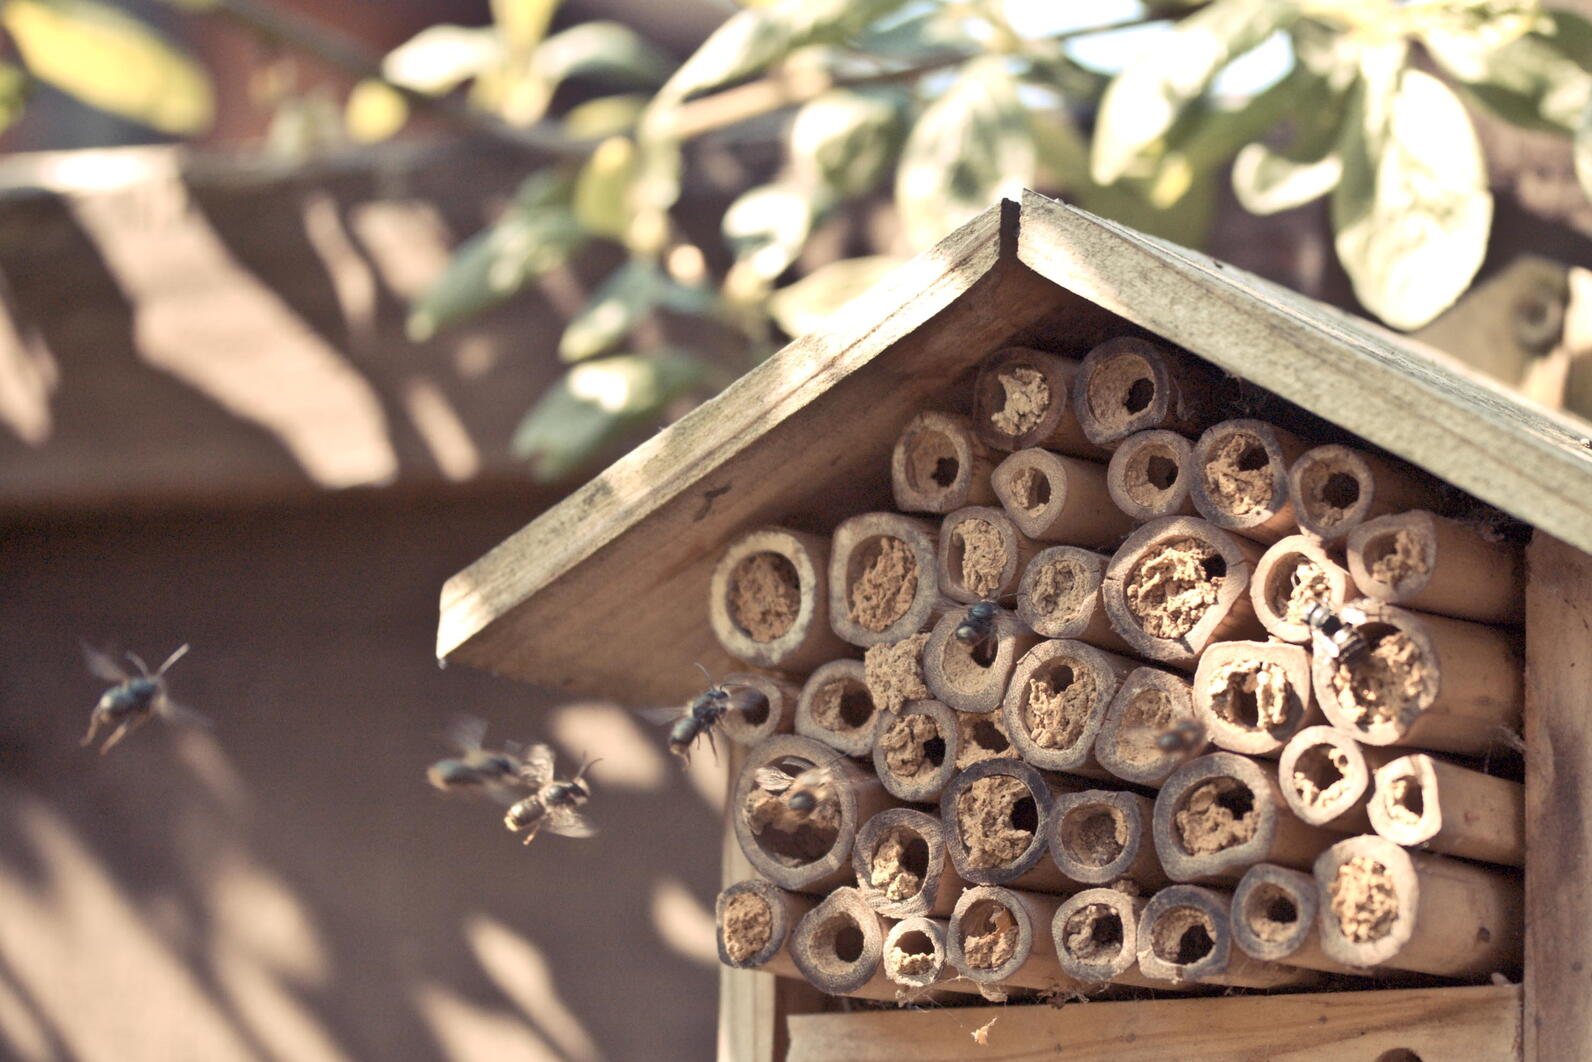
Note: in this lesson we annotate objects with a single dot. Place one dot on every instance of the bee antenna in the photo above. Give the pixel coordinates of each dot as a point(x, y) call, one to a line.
point(705, 672)
point(585, 766)
point(138, 661)
point(181, 651)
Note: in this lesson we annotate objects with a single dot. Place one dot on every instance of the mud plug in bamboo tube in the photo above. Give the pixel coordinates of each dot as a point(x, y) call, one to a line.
point(1127, 385)
point(915, 752)
point(754, 920)
point(1383, 906)
point(1424, 801)
point(768, 601)
point(902, 865)
point(839, 947)
point(1023, 398)
point(1150, 473)
point(776, 714)
point(882, 582)
point(1096, 936)
point(1059, 597)
point(1325, 777)
point(981, 555)
point(915, 955)
point(893, 672)
point(972, 676)
point(996, 815)
point(1151, 710)
point(939, 465)
point(806, 847)
point(1425, 562)
point(1218, 814)
point(1292, 575)
point(1001, 936)
point(1185, 936)
point(1335, 489)
point(1273, 918)
point(1176, 585)
point(1101, 835)
point(1240, 480)
point(1052, 498)
point(1251, 697)
point(1056, 701)
point(836, 708)
point(1423, 681)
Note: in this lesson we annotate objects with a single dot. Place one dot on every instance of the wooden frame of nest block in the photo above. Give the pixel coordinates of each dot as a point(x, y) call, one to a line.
point(804, 440)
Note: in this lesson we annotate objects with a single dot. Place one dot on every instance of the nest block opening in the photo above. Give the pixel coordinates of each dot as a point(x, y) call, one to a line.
point(932, 461)
point(837, 943)
point(1238, 474)
point(989, 935)
point(748, 925)
point(996, 817)
point(1095, 834)
point(1271, 912)
point(912, 954)
point(1388, 679)
point(1183, 936)
point(982, 736)
point(1329, 487)
point(893, 672)
point(1174, 585)
point(1058, 703)
point(978, 551)
point(1363, 899)
point(1026, 398)
point(1395, 557)
point(1320, 775)
point(1093, 933)
point(912, 745)
point(1119, 389)
point(881, 582)
point(1251, 694)
point(1030, 490)
point(791, 836)
point(1295, 583)
point(1215, 815)
point(843, 705)
point(967, 666)
point(765, 596)
point(1150, 713)
point(899, 864)
point(1406, 800)
point(1059, 587)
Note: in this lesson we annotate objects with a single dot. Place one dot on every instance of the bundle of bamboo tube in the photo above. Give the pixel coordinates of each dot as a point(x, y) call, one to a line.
point(1125, 695)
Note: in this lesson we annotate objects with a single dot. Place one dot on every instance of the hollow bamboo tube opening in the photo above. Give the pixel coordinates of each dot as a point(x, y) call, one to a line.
point(1056, 701)
point(981, 555)
point(1292, 575)
point(1023, 398)
point(768, 601)
point(1425, 562)
point(1100, 835)
point(1325, 777)
point(915, 953)
point(839, 945)
point(1053, 498)
point(1423, 681)
point(774, 714)
point(1096, 936)
point(939, 465)
point(836, 708)
point(1383, 906)
point(1127, 385)
point(1002, 936)
point(1240, 480)
point(915, 752)
point(981, 736)
point(996, 815)
point(971, 676)
point(902, 865)
point(1176, 585)
point(803, 845)
point(882, 581)
point(1273, 917)
point(1218, 814)
point(754, 919)
point(1424, 801)
point(1335, 489)
point(1185, 935)
point(1059, 597)
point(1251, 697)
point(1149, 475)
point(1149, 728)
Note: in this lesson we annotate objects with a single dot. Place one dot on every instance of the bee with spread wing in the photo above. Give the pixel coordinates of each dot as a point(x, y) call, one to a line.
point(703, 714)
point(478, 769)
point(134, 699)
point(550, 804)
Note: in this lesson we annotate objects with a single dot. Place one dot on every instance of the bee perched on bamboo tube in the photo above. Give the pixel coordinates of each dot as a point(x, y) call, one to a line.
point(551, 804)
point(134, 699)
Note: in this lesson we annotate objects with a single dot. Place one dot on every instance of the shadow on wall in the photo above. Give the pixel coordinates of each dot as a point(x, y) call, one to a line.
point(287, 886)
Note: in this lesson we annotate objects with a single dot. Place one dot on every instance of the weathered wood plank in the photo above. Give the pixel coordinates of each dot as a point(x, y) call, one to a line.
point(1558, 1020)
point(1477, 1024)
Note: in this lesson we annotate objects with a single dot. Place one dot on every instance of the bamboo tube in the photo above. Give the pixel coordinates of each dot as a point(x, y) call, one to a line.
point(882, 582)
point(1096, 936)
point(981, 736)
point(1217, 814)
point(1325, 777)
point(902, 866)
point(1185, 935)
point(768, 601)
point(893, 672)
point(1056, 701)
point(915, 752)
point(835, 707)
point(1023, 398)
point(1335, 489)
point(1422, 561)
point(1383, 906)
point(1149, 705)
point(1273, 917)
point(1289, 576)
point(1240, 480)
point(971, 677)
point(981, 555)
point(754, 919)
point(1059, 597)
point(776, 715)
point(915, 955)
point(1054, 498)
point(1178, 584)
point(1424, 682)
point(1127, 385)
point(802, 850)
point(1001, 936)
point(1424, 801)
point(939, 465)
point(996, 815)
point(838, 947)
point(1100, 836)
point(1251, 697)
point(1150, 473)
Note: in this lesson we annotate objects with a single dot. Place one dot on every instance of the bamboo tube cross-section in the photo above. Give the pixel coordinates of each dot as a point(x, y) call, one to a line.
point(775, 714)
point(1127, 385)
point(1426, 562)
point(939, 464)
point(1273, 916)
point(1056, 701)
point(1252, 697)
point(1150, 473)
point(972, 676)
point(768, 601)
point(1421, 800)
point(1185, 935)
point(1290, 576)
point(995, 814)
point(882, 581)
point(915, 753)
point(839, 946)
point(1001, 936)
point(981, 555)
point(1101, 835)
point(1059, 597)
point(915, 955)
point(1052, 498)
point(1240, 480)
point(1096, 936)
point(1335, 489)
point(902, 865)
point(1023, 397)
point(1325, 777)
point(836, 708)
point(1152, 710)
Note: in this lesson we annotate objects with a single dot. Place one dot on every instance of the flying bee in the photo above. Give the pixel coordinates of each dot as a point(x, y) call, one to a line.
point(477, 769)
point(550, 803)
point(803, 791)
point(703, 714)
point(1336, 635)
point(126, 706)
point(1184, 736)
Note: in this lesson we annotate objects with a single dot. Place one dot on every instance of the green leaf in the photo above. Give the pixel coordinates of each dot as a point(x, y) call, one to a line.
point(968, 149)
point(522, 23)
point(440, 58)
point(604, 116)
point(538, 233)
point(804, 306)
point(845, 141)
point(596, 404)
point(375, 111)
point(111, 61)
point(1266, 181)
point(1412, 210)
point(610, 51)
point(767, 226)
point(623, 301)
point(1541, 79)
point(1147, 99)
point(602, 187)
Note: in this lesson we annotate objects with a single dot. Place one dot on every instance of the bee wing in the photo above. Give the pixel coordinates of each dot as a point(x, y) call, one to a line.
point(466, 732)
point(172, 712)
point(103, 665)
point(772, 779)
point(538, 767)
point(662, 715)
point(745, 698)
point(570, 823)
